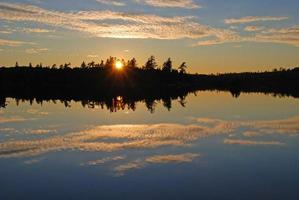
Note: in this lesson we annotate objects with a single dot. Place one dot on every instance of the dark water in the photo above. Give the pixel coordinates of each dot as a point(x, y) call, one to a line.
point(216, 147)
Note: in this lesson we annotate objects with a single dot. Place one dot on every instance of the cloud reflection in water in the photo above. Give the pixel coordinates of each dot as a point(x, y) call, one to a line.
point(121, 137)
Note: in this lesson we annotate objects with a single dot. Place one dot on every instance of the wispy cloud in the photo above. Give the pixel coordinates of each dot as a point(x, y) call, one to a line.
point(9, 31)
point(156, 159)
point(178, 158)
point(252, 133)
point(250, 19)
point(104, 160)
point(36, 112)
point(288, 35)
point(36, 30)
point(252, 143)
point(32, 161)
point(143, 136)
point(12, 43)
point(36, 50)
point(39, 131)
point(187, 4)
point(112, 24)
point(11, 119)
point(112, 2)
point(92, 56)
point(95, 139)
point(123, 168)
point(253, 28)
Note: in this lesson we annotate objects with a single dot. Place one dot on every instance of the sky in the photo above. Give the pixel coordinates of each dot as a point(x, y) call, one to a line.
point(210, 35)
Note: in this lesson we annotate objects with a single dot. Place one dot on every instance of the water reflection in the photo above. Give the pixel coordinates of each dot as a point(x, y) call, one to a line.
point(119, 103)
point(215, 139)
point(114, 104)
point(118, 138)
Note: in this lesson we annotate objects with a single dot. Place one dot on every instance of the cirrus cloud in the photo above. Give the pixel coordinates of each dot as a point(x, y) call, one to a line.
point(250, 19)
point(253, 28)
point(12, 43)
point(252, 143)
point(188, 4)
point(112, 2)
point(112, 24)
point(36, 50)
point(156, 159)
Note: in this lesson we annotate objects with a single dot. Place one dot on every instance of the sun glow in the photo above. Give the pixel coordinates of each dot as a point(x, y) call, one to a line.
point(118, 65)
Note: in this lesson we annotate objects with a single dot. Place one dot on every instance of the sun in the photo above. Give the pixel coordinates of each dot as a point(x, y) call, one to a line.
point(118, 65)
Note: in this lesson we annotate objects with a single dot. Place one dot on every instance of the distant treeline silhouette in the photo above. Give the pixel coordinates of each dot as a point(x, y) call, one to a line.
point(110, 63)
point(93, 80)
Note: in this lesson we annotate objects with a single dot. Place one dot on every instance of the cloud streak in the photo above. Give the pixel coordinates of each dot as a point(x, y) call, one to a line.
point(36, 50)
point(12, 119)
point(250, 19)
point(12, 43)
point(287, 35)
point(253, 28)
point(36, 30)
point(187, 4)
point(252, 143)
point(156, 159)
point(177, 158)
point(112, 2)
point(95, 139)
point(113, 24)
point(104, 160)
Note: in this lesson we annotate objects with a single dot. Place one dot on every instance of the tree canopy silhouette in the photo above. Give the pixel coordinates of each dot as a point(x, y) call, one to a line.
point(98, 78)
point(167, 66)
point(150, 63)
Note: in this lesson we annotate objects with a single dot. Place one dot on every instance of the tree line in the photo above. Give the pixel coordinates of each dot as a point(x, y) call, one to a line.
point(150, 65)
point(150, 80)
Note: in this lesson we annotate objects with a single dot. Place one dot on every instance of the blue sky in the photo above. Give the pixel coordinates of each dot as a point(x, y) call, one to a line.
point(210, 35)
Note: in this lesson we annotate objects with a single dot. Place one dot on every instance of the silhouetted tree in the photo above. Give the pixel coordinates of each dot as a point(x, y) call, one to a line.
point(150, 105)
point(102, 65)
point(167, 103)
point(83, 65)
point(2, 102)
point(132, 63)
point(167, 66)
point(182, 101)
point(91, 64)
point(110, 63)
point(30, 65)
point(67, 65)
point(40, 65)
point(150, 63)
point(17, 64)
point(182, 68)
point(54, 66)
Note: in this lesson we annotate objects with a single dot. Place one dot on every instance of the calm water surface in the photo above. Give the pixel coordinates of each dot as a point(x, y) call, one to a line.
point(216, 147)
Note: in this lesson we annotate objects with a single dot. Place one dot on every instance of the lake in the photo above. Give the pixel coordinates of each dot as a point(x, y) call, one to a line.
point(209, 145)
